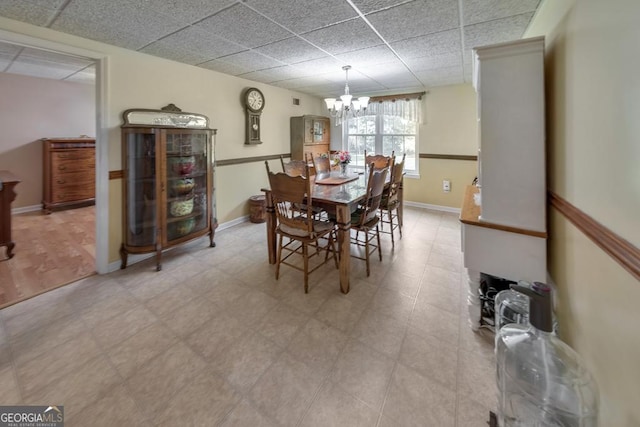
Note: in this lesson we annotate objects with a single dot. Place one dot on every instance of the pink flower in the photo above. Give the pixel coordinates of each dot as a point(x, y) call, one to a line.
point(342, 157)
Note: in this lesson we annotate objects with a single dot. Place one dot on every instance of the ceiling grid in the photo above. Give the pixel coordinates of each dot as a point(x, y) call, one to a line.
point(300, 45)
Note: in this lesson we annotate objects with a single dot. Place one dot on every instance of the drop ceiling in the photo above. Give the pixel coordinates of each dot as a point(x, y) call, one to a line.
point(393, 46)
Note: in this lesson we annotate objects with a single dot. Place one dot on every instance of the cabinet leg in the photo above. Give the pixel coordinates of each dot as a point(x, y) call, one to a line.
point(212, 233)
point(158, 257)
point(123, 257)
point(473, 299)
point(10, 247)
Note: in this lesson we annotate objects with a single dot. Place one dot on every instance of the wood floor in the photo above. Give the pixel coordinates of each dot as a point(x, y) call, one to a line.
point(51, 251)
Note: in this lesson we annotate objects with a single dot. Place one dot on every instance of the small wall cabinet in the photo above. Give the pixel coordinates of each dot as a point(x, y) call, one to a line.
point(309, 134)
point(168, 183)
point(69, 173)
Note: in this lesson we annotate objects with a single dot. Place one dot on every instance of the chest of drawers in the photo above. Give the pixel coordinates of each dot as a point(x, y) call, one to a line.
point(69, 176)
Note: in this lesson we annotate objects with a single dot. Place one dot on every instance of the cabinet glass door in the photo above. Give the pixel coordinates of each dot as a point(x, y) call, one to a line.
point(141, 189)
point(318, 131)
point(187, 178)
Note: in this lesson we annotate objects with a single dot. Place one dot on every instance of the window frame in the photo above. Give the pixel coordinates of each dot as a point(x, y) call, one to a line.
point(378, 143)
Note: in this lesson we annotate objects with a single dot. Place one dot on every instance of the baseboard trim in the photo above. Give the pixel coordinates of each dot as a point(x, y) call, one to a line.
point(234, 222)
point(621, 250)
point(432, 207)
point(26, 209)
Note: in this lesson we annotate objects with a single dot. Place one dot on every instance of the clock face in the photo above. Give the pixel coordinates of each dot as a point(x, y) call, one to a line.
point(254, 99)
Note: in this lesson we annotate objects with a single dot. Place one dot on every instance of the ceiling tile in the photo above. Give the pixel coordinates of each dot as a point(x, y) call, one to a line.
point(320, 65)
point(117, 22)
point(415, 18)
point(291, 50)
point(475, 11)
point(368, 6)
point(192, 46)
point(369, 56)
point(392, 69)
point(401, 83)
point(301, 82)
point(344, 37)
point(244, 27)
point(100, 31)
point(303, 16)
point(256, 38)
point(186, 11)
point(251, 60)
point(500, 30)
point(225, 67)
point(431, 45)
point(33, 12)
point(437, 61)
point(286, 72)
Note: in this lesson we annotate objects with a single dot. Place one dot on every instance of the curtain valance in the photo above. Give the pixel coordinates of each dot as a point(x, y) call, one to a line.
point(407, 106)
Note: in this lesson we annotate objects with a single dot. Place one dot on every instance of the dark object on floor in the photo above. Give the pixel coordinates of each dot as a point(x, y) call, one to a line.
point(493, 419)
point(489, 288)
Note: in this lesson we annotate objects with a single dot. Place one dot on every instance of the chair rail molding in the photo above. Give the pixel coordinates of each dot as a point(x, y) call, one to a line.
point(621, 250)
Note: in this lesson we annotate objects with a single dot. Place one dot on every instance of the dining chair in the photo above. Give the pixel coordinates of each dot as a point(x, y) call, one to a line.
point(294, 167)
point(379, 161)
point(365, 219)
point(322, 163)
point(390, 208)
point(303, 232)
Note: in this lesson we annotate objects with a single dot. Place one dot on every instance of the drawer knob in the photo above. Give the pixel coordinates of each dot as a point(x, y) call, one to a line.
point(62, 168)
point(61, 181)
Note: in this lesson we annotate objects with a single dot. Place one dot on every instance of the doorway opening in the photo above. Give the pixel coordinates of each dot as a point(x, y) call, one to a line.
point(57, 249)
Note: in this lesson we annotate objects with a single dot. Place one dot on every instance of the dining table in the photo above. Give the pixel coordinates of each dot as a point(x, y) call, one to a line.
point(339, 195)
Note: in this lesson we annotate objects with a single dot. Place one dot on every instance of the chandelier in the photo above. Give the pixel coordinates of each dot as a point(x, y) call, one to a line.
point(346, 107)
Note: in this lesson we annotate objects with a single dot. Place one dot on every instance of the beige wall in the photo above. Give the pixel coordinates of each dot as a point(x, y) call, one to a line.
point(449, 127)
point(593, 105)
point(32, 108)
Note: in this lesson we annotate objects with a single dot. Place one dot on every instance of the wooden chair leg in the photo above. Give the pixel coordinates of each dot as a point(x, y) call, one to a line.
point(390, 215)
point(279, 258)
point(378, 237)
point(305, 254)
point(336, 257)
point(366, 250)
point(399, 220)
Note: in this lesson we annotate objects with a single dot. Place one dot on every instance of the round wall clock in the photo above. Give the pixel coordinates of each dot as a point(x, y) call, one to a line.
point(254, 99)
point(254, 103)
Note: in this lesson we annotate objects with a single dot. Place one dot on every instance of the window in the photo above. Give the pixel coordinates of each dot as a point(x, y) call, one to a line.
point(383, 134)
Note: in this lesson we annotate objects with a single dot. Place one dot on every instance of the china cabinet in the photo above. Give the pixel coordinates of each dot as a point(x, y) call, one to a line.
point(168, 183)
point(504, 218)
point(309, 135)
point(69, 175)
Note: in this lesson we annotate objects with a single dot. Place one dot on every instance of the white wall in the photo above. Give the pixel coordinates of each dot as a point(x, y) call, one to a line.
point(32, 108)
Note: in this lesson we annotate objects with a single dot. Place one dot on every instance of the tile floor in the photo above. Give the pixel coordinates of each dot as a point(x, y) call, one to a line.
point(213, 339)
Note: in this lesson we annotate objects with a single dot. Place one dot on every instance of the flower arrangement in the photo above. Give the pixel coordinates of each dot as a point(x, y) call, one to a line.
point(343, 157)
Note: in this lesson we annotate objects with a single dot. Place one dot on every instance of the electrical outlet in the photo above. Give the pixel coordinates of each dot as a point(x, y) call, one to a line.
point(446, 185)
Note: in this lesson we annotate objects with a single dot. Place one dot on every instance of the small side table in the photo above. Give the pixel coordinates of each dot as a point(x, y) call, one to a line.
point(7, 195)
